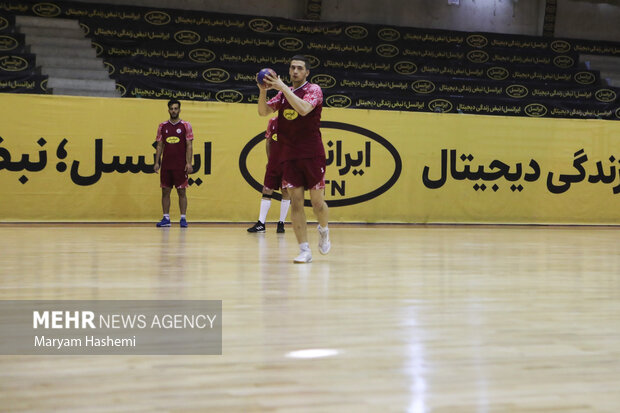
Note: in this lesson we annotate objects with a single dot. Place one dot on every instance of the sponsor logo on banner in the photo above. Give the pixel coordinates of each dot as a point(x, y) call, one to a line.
point(477, 56)
point(348, 177)
point(423, 86)
point(477, 40)
point(201, 55)
point(563, 62)
point(8, 43)
point(290, 44)
point(229, 96)
point(313, 61)
point(46, 9)
point(157, 18)
point(173, 139)
point(388, 34)
point(405, 67)
point(440, 105)
point(497, 73)
point(356, 32)
point(387, 50)
point(215, 75)
point(560, 46)
point(186, 37)
point(338, 101)
point(109, 67)
point(584, 78)
point(260, 25)
point(13, 63)
point(605, 95)
point(98, 48)
point(44, 85)
point(517, 91)
point(121, 89)
point(4, 23)
point(290, 114)
point(323, 80)
point(85, 29)
point(535, 110)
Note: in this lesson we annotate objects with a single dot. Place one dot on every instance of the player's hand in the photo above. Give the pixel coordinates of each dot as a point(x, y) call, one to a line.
point(156, 167)
point(262, 86)
point(189, 168)
point(274, 82)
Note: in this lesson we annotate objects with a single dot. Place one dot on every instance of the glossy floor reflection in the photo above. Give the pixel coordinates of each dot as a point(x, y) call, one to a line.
point(411, 318)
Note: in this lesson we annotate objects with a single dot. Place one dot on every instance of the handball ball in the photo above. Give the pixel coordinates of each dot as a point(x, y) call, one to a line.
point(264, 72)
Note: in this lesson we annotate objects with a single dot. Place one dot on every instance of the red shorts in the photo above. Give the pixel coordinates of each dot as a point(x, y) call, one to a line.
point(273, 174)
point(173, 177)
point(307, 172)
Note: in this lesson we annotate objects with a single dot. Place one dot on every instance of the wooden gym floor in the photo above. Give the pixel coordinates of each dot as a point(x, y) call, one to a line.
point(446, 319)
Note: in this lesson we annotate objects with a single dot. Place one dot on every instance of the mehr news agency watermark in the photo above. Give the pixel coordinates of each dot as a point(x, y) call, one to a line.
point(111, 327)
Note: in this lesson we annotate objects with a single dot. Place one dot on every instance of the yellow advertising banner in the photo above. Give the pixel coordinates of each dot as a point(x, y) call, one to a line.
point(91, 159)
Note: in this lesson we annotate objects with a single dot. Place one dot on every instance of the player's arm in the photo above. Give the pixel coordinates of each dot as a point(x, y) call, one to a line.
point(301, 106)
point(189, 154)
point(263, 108)
point(267, 146)
point(160, 149)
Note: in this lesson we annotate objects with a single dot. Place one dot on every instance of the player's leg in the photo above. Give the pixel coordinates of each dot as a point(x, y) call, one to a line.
point(284, 207)
point(165, 206)
point(181, 183)
point(265, 204)
point(298, 219)
point(321, 211)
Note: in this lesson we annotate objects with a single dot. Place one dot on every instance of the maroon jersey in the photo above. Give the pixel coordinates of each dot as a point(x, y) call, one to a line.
point(300, 136)
point(175, 137)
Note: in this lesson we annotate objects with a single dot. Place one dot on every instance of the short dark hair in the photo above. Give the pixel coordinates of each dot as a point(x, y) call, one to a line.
point(301, 58)
point(172, 102)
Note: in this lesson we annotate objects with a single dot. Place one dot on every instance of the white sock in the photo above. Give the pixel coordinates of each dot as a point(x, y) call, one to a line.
point(323, 229)
point(284, 209)
point(304, 246)
point(167, 216)
point(265, 204)
point(182, 216)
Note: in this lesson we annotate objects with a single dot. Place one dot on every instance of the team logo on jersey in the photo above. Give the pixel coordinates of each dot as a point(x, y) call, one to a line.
point(356, 32)
point(173, 139)
point(477, 40)
point(585, 78)
point(186, 37)
point(46, 9)
point(560, 46)
point(388, 34)
point(8, 43)
point(405, 67)
point(290, 114)
point(535, 110)
point(157, 18)
point(13, 63)
point(361, 164)
point(179, 130)
point(274, 137)
point(201, 55)
point(260, 25)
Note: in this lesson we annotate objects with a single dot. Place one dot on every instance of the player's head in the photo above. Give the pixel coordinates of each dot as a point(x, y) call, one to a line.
point(298, 69)
point(174, 108)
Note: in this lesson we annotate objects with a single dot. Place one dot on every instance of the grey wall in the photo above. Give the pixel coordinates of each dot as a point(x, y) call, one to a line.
point(586, 19)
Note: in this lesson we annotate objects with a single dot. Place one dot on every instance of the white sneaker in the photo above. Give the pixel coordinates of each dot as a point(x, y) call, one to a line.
point(304, 256)
point(324, 243)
